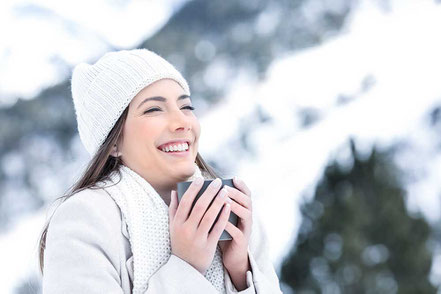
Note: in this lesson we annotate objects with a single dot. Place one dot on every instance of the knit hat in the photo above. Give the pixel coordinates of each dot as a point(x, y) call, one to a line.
point(103, 90)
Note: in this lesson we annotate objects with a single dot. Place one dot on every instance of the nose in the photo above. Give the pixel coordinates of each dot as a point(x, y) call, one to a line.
point(179, 121)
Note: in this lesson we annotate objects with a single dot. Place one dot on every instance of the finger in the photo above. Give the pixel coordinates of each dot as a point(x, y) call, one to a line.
point(240, 211)
point(187, 200)
point(204, 201)
point(212, 213)
point(240, 184)
point(235, 233)
point(173, 205)
point(246, 218)
point(239, 197)
point(219, 227)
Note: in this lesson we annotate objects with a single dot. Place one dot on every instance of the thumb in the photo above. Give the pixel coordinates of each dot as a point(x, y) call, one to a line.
point(173, 205)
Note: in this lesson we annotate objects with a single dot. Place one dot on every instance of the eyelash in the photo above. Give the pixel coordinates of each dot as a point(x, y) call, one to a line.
point(155, 109)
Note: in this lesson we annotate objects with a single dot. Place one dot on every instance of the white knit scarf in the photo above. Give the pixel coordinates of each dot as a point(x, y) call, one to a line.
point(147, 218)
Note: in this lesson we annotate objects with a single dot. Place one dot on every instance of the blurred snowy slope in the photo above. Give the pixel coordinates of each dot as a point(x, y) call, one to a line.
point(42, 40)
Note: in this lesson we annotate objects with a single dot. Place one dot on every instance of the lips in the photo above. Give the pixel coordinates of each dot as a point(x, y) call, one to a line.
point(176, 154)
point(175, 142)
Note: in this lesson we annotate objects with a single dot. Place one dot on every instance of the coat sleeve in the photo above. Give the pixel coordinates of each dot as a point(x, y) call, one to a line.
point(82, 253)
point(262, 279)
point(177, 276)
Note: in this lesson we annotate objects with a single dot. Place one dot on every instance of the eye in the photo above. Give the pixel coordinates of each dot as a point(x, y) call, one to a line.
point(151, 110)
point(157, 109)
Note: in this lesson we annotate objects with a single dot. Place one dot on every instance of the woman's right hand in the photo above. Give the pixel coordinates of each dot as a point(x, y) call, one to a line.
point(189, 233)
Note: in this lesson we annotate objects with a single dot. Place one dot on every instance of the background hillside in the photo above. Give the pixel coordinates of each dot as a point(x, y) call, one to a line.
point(292, 96)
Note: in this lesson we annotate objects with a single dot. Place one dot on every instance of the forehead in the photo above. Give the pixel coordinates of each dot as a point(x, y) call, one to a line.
point(164, 87)
point(160, 91)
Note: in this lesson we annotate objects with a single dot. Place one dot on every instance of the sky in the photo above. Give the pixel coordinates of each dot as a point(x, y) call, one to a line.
point(385, 59)
point(77, 31)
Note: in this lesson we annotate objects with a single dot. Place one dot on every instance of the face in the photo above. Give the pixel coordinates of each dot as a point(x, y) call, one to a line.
point(152, 123)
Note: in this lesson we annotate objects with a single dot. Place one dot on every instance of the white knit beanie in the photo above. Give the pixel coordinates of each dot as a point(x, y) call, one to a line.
point(103, 90)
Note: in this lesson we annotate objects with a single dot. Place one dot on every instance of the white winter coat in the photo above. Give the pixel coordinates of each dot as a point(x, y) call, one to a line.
point(88, 251)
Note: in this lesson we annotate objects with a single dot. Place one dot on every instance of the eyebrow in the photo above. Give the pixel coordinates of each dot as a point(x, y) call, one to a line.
point(161, 99)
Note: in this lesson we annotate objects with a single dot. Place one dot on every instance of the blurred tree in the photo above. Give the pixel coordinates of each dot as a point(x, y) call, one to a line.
point(357, 236)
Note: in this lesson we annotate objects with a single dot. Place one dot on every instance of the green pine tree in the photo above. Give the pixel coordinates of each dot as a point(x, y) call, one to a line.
point(357, 235)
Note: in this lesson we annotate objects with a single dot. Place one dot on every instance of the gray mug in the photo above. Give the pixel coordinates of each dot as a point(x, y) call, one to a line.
point(183, 186)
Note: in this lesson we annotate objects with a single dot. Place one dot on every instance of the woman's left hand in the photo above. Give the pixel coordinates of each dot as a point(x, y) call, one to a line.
point(235, 252)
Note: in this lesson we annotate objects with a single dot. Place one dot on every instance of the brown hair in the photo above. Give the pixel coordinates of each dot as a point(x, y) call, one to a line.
point(99, 169)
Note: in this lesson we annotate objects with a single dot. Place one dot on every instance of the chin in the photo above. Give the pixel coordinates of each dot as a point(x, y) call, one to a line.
point(191, 169)
point(184, 171)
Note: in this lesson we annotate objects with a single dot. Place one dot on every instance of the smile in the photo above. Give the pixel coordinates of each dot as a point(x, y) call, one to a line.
point(181, 150)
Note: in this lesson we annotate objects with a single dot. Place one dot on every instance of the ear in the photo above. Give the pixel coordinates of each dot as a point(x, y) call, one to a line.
point(115, 152)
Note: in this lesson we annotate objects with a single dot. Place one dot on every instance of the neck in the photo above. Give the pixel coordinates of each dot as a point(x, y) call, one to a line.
point(165, 194)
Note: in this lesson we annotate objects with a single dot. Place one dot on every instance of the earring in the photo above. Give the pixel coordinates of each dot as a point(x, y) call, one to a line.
point(115, 153)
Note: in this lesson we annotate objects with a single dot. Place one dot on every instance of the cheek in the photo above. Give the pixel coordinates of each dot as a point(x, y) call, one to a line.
point(149, 132)
point(196, 127)
point(141, 133)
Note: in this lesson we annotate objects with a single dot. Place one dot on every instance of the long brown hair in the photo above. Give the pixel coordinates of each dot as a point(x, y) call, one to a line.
point(99, 169)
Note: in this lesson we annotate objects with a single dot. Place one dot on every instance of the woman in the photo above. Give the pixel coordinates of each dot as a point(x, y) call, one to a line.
point(120, 229)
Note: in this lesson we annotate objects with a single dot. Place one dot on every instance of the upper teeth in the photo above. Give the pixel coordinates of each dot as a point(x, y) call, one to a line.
point(178, 147)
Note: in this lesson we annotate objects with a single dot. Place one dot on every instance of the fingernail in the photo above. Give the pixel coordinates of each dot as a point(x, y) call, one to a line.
point(222, 193)
point(236, 179)
point(229, 200)
point(198, 181)
point(217, 182)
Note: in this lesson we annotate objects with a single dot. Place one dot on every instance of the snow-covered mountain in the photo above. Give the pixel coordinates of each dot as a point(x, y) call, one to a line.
point(376, 82)
point(77, 31)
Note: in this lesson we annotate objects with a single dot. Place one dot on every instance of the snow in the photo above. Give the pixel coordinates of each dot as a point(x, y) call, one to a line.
point(386, 63)
point(398, 53)
point(77, 31)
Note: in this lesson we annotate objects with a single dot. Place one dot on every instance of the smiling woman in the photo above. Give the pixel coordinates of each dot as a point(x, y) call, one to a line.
point(158, 121)
point(120, 228)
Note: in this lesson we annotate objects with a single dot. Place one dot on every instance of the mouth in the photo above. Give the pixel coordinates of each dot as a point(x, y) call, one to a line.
point(179, 152)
